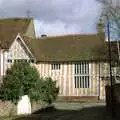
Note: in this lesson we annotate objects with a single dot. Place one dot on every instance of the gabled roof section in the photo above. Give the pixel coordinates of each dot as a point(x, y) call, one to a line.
point(67, 48)
point(9, 28)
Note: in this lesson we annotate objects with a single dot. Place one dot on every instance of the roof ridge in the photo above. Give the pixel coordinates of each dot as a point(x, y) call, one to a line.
point(15, 18)
point(66, 35)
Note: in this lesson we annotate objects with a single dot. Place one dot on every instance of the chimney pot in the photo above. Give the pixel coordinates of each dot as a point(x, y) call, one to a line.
point(43, 35)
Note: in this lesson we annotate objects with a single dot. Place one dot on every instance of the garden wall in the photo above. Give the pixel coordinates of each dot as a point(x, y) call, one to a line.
point(9, 109)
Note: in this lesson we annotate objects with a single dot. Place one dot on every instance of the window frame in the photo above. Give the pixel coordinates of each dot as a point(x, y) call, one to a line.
point(20, 60)
point(9, 60)
point(82, 72)
point(55, 66)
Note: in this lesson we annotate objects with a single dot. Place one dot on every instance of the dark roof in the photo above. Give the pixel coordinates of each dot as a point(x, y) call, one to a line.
point(67, 48)
point(114, 50)
point(9, 28)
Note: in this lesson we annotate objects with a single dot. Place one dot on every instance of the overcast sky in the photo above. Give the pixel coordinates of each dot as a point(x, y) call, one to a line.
point(55, 17)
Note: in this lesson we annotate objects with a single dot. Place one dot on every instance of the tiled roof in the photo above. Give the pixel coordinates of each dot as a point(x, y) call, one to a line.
point(68, 47)
point(10, 27)
point(114, 50)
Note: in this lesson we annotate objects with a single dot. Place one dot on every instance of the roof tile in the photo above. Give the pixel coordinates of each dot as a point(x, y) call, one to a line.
point(67, 48)
point(10, 27)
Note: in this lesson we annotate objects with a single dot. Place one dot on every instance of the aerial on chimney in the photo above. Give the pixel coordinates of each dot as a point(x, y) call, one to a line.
point(43, 35)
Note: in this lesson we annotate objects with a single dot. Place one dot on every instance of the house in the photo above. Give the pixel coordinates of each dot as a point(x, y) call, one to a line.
point(76, 62)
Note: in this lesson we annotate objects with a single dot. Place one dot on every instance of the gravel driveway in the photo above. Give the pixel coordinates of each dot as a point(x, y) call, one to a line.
point(70, 111)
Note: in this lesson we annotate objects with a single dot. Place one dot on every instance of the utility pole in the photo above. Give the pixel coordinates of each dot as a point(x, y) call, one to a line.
point(110, 68)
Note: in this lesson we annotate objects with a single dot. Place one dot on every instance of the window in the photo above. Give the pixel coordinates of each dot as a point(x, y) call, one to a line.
point(116, 74)
point(31, 61)
point(20, 60)
point(81, 75)
point(56, 66)
point(9, 60)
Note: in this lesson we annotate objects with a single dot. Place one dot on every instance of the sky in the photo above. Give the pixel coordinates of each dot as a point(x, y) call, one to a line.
point(55, 17)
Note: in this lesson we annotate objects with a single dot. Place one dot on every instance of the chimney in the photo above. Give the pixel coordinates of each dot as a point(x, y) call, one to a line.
point(43, 35)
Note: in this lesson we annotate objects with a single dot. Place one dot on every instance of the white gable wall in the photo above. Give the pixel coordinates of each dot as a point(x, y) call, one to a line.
point(16, 51)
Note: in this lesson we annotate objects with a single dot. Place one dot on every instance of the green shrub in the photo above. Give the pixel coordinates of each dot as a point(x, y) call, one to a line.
point(23, 79)
point(45, 90)
point(18, 81)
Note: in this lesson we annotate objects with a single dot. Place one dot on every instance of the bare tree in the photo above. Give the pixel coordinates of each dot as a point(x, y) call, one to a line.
point(111, 11)
point(108, 2)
